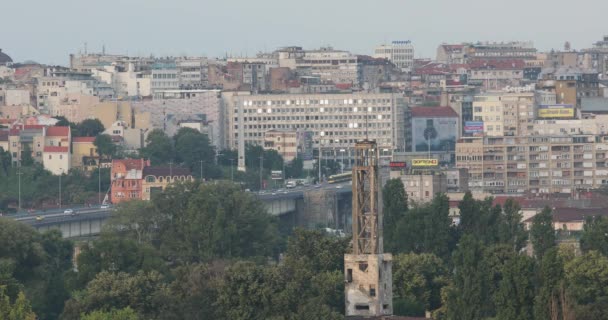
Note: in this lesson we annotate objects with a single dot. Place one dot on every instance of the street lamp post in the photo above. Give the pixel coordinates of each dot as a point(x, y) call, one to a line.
point(201, 161)
point(231, 168)
point(99, 183)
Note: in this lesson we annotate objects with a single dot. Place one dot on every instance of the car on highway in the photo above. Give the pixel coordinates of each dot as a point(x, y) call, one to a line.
point(69, 211)
point(105, 206)
point(338, 187)
point(39, 218)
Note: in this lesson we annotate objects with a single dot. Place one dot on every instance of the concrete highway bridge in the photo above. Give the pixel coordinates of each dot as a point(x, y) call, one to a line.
point(327, 205)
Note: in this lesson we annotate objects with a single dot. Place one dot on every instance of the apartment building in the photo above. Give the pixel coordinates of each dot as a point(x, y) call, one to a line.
point(336, 121)
point(534, 164)
point(401, 53)
point(504, 113)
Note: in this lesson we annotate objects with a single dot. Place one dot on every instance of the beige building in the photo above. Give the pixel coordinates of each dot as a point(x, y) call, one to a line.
point(534, 164)
point(504, 113)
point(84, 153)
point(56, 159)
point(422, 185)
point(336, 121)
point(283, 142)
point(156, 179)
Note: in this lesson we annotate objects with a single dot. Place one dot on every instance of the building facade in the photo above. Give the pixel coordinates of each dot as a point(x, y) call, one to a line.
point(284, 143)
point(534, 164)
point(443, 121)
point(156, 179)
point(336, 121)
point(401, 53)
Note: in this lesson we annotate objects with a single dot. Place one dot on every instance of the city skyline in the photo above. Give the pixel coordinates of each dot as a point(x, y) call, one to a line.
point(240, 28)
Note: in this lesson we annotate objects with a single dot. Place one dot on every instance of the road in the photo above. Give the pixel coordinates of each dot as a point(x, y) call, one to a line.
point(56, 214)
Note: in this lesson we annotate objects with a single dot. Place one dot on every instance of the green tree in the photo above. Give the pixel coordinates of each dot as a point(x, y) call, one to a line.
point(5, 161)
point(26, 156)
point(542, 233)
point(295, 169)
point(146, 293)
point(105, 146)
point(247, 292)
point(480, 218)
point(418, 280)
point(551, 300)
point(468, 297)
point(515, 292)
point(89, 128)
point(587, 281)
point(192, 147)
point(511, 230)
point(122, 314)
point(595, 235)
point(159, 148)
point(394, 200)
point(426, 229)
point(62, 121)
point(19, 310)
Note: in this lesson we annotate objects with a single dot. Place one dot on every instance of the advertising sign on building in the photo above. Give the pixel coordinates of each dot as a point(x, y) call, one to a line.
point(425, 162)
point(473, 127)
point(556, 111)
point(276, 175)
point(394, 165)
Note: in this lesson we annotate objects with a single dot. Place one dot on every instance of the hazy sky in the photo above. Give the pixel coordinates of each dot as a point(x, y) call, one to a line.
point(48, 30)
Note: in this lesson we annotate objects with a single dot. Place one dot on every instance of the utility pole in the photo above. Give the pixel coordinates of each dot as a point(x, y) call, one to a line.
point(231, 168)
point(19, 175)
point(201, 170)
point(99, 182)
point(261, 171)
point(320, 155)
point(60, 174)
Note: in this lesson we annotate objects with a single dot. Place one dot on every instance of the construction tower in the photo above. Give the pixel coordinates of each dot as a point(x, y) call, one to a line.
point(368, 270)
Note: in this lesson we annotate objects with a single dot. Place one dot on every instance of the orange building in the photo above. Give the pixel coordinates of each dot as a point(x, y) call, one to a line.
point(126, 177)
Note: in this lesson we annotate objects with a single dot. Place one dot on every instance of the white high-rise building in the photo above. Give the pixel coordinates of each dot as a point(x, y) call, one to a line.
point(401, 53)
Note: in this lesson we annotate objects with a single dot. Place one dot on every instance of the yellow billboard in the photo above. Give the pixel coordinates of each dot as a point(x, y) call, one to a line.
point(556, 111)
point(425, 162)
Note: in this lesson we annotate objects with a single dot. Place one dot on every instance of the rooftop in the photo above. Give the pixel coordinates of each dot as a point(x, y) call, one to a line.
point(83, 139)
point(57, 131)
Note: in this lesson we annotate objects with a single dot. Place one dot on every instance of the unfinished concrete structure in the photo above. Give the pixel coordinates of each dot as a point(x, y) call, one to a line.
point(368, 270)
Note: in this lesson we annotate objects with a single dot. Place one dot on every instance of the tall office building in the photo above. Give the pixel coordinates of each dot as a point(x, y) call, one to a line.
point(401, 53)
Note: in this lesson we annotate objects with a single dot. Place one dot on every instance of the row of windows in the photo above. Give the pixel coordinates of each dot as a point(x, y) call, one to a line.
point(315, 126)
point(313, 102)
point(315, 118)
point(322, 109)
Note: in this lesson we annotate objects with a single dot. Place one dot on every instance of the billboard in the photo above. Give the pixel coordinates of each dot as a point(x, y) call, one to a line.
point(394, 165)
point(444, 132)
point(276, 175)
point(556, 111)
point(473, 127)
point(425, 162)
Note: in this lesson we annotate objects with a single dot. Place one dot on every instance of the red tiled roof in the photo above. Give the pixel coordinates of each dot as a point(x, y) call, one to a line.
point(55, 149)
point(83, 139)
point(130, 164)
point(57, 131)
point(433, 112)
